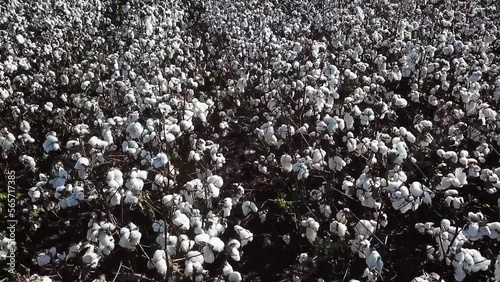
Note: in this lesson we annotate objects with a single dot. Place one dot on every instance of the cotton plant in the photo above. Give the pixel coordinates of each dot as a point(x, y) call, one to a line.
point(317, 162)
point(339, 228)
point(267, 133)
point(185, 244)
point(364, 230)
point(134, 127)
point(406, 198)
point(131, 147)
point(134, 185)
point(170, 131)
point(136, 179)
point(367, 116)
point(451, 240)
point(468, 261)
point(233, 249)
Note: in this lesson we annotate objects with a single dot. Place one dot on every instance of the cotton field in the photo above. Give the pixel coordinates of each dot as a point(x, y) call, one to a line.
point(250, 140)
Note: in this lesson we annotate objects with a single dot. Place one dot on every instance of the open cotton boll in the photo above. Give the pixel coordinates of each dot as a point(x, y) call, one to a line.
point(159, 262)
point(245, 235)
point(28, 161)
point(194, 257)
point(216, 180)
point(135, 184)
point(365, 227)
point(82, 163)
point(336, 163)
point(311, 228)
point(43, 259)
point(202, 239)
point(51, 143)
point(228, 204)
point(374, 260)
point(185, 243)
point(248, 207)
point(286, 162)
point(235, 277)
point(160, 160)
point(181, 220)
point(497, 268)
point(135, 129)
point(234, 245)
point(216, 244)
point(227, 269)
point(106, 243)
point(208, 254)
point(90, 258)
point(338, 228)
point(130, 237)
point(114, 178)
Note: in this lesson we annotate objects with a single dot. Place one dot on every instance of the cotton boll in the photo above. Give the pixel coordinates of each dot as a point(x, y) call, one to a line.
point(227, 269)
point(234, 277)
point(208, 254)
point(233, 250)
point(338, 228)
point(160, 160)
point(286, 162)
point(43, 259)
point(228, 204)
point(90, 258)
point(202, 239)
point(245, 235)
point(248, 207)
point(82, 163)
point(374, 260)
point(186, 245)
point(51, 143)
point(159, 262)
point(416, 189)
point(216, 244)
point(181, 220)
